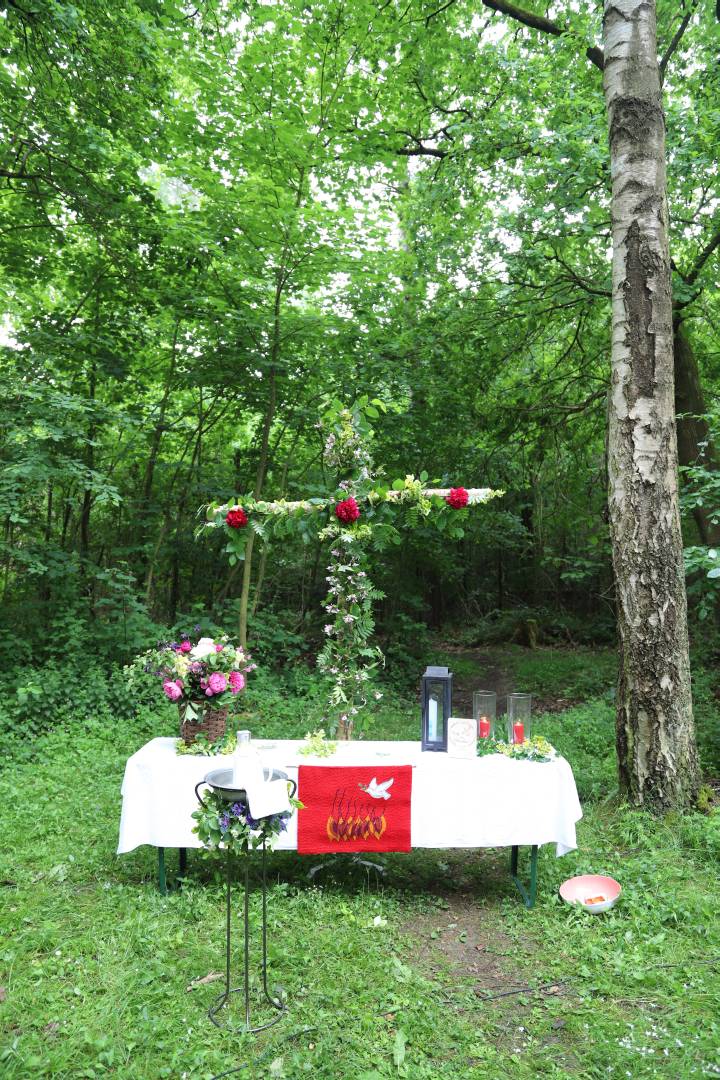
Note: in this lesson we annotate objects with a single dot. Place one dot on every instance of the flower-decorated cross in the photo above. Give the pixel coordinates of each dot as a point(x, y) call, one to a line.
point(360, 513)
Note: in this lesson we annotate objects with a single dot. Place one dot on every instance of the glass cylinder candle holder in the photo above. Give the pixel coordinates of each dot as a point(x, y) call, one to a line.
point(518, 717)
point(485, 713)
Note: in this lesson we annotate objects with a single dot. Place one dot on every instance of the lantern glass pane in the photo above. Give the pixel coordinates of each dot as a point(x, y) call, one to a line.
point(436, 713)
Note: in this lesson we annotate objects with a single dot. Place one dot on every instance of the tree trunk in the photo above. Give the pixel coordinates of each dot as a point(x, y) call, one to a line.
point(695, 445)
point(654, 727)
point(87, 501)
point(263, 459)
point(259, 481)
point(149, 577)
point(150, 464)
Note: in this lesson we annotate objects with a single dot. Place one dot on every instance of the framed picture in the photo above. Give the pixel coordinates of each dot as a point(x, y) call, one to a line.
point(462, 737)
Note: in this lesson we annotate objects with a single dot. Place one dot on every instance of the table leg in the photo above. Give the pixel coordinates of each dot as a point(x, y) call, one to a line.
point(530, 895)
point(162, 881)
point(183, 861)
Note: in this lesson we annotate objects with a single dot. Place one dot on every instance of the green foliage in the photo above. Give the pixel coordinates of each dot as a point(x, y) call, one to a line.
point(585, 735)
point(406, 648)
point(566, 673)
point(317, 745)
point(202, 747)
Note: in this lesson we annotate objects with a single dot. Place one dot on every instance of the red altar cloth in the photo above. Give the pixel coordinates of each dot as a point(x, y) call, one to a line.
point(354, 808)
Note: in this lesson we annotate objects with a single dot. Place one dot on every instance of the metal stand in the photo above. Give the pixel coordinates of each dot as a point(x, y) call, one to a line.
point(276, 1002)
point(528, 896)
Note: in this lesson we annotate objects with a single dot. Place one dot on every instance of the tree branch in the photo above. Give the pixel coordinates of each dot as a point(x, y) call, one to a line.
point(676, 38)
point(545, 26)
point(420, 151)
point(439, 11)
point(712, 245)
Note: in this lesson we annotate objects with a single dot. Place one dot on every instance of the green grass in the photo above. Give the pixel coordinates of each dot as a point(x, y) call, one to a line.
point(95, 964)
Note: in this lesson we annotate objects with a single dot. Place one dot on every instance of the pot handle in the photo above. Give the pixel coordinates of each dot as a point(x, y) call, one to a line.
point(294, 787)
point(197, 796)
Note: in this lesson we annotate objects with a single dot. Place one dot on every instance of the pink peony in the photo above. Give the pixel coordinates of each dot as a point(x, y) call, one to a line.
point(237, 682)
point(218, 648)
point(216, 684)
point(172, 690)
point(186, 646)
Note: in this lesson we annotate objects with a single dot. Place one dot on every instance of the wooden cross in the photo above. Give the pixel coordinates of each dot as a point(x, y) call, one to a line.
point(347, 655)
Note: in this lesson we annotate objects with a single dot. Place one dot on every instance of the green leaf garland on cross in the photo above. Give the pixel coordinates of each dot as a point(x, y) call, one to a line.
point(362, 514)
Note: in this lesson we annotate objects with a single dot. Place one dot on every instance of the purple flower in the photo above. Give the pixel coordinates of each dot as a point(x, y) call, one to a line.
point(238, 809)
point(224, 822)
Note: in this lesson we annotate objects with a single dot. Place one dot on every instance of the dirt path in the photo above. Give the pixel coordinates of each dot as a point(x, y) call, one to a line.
point(476, 965)
point(480, 669)
point(490, 674)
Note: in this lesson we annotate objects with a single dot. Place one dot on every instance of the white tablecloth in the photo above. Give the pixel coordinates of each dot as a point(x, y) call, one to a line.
point(480, 802)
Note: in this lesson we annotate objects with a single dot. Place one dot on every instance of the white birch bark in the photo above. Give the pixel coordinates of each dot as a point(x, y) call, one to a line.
point(655, 731)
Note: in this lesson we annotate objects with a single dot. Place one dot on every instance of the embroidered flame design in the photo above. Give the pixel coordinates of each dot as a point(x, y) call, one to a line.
point(351, 819)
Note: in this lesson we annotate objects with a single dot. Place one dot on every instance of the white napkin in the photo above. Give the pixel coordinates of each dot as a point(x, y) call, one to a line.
point(268, 797)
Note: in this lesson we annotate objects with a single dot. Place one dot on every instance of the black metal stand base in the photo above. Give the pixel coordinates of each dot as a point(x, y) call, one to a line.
point(216, 1012)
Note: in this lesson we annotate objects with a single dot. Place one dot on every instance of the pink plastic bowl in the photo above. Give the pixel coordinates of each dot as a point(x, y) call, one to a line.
point(576, 890)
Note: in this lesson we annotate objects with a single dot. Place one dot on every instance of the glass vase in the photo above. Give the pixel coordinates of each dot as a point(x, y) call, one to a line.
point(519, 724)
point(485, 713)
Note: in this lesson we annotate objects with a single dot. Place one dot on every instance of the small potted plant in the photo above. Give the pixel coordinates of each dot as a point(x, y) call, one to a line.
point(203, 678)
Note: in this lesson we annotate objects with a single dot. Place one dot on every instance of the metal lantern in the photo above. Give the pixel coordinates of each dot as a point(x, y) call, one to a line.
point(436, 700)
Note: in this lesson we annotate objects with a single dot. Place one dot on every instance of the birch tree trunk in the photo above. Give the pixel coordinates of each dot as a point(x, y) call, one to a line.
point(654, 725)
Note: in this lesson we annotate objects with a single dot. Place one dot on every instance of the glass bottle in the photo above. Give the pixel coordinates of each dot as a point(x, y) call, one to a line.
point(247, 766)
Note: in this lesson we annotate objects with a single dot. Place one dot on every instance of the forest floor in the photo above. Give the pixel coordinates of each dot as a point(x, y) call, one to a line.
point(434, 970)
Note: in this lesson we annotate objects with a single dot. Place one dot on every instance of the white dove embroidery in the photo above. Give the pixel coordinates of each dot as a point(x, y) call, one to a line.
point(378, 791)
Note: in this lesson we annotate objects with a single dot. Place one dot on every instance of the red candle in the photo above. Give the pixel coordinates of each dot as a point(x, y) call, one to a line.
point(484, 727)
point(518, 732)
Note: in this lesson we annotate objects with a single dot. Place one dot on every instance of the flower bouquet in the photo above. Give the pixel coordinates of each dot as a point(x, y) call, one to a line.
point(222, 825)
point(203, 678)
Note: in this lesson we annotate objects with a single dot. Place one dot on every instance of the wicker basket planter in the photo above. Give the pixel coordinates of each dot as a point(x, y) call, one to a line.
point(209, 722)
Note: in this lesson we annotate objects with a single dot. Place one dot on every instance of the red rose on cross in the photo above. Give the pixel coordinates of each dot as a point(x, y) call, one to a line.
point(347, 511)
point(236, 518)
point(457, 498)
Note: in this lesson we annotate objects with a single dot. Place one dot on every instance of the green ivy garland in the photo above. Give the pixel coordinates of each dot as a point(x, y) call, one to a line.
point(535, 749)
